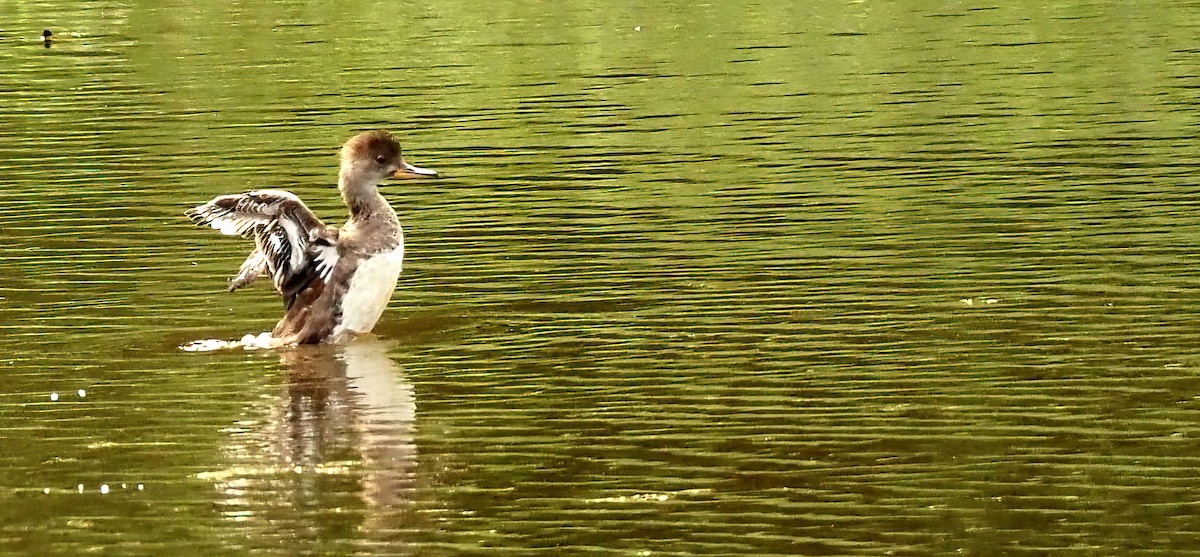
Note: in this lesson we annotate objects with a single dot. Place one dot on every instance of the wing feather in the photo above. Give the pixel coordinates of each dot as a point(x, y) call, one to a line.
point(291, 243)
point(251, 268)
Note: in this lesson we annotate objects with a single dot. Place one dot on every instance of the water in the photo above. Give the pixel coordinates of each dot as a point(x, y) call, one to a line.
point(730, 279)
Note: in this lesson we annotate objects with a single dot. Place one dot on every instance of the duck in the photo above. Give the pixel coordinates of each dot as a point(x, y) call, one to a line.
point(47, 37)
point(334, 282)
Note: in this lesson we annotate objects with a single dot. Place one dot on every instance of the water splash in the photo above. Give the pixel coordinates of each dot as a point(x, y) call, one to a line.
point(249, 342)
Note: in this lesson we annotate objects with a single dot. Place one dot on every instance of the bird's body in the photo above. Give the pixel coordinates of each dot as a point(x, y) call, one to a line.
point(335, 283)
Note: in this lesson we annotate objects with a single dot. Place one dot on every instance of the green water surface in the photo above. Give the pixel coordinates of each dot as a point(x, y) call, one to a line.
point(729, 278)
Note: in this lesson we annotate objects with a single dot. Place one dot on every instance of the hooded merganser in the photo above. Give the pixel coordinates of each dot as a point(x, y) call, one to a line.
point(335, 283)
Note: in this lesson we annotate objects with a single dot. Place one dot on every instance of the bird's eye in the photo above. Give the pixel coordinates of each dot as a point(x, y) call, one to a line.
point(380, 159)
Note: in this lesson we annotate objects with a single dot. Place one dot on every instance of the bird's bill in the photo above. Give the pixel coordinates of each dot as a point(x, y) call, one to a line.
point(409, 171)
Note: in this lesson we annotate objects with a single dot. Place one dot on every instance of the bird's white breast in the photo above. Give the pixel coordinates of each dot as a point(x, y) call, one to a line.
point(370, 289)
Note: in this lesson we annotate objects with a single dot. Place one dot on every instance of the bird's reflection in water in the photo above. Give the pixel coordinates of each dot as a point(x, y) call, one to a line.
point(336, 452)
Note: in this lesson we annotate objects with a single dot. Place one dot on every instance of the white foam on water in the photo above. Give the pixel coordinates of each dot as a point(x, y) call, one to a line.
point(260, 341)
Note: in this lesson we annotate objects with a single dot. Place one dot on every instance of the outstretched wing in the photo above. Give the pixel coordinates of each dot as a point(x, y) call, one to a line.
point(290, 242)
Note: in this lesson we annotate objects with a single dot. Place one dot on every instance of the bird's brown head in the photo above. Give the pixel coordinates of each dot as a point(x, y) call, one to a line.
point(378, 151)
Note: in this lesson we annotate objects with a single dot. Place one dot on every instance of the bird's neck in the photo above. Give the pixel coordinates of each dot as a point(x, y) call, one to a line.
point(361, 194)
